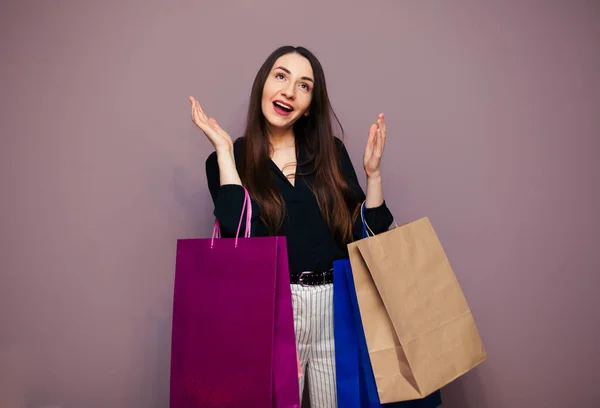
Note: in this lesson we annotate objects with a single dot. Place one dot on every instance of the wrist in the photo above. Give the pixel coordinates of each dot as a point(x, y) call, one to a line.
point(376, 177)
point(225, 155)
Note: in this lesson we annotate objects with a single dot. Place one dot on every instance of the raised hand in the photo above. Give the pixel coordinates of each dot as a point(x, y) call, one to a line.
point(374, 148)
point(220, 140)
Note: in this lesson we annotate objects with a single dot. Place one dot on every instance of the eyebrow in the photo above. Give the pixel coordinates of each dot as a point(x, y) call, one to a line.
point(289, 72)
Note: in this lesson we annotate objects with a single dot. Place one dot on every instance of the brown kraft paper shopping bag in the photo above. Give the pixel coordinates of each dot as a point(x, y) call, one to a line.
point(419, 329)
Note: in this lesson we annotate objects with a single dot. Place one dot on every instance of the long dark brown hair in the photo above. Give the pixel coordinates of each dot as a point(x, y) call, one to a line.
point(314, 135)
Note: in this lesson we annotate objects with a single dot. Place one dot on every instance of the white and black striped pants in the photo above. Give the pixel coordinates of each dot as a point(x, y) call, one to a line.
point(313, 322)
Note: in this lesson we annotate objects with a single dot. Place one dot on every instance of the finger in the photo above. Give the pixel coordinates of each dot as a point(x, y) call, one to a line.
point(193, 108)
point(197, 109)
point(194, 103)
point(383, 132)
point(200, 119)
point(195, 114)
point(372, 132)
point(378, 144)
point(371, 139)
point(200, 112)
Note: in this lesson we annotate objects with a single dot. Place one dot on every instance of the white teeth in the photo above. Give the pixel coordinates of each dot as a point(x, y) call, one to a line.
point(283, 106)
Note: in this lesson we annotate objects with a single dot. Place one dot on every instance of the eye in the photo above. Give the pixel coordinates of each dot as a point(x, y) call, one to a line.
point(305, 86)
point(279, 75)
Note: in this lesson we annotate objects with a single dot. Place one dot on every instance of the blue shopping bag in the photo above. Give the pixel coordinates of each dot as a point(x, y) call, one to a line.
point(356, 386)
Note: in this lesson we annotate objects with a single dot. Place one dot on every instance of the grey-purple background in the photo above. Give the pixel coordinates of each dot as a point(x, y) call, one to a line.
point(493, 111)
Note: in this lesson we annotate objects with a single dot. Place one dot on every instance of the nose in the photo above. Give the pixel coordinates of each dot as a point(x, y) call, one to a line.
point(289, 91)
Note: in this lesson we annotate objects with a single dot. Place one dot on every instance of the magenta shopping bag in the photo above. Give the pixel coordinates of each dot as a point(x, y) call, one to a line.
point(233, 342)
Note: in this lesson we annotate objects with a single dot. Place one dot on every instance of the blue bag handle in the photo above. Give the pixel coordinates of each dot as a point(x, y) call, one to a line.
point(365, 227)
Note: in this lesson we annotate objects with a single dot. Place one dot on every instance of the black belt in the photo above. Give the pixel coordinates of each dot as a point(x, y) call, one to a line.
point(310, 278)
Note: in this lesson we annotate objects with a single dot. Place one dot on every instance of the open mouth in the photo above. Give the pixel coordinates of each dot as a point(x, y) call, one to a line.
point(282, 108)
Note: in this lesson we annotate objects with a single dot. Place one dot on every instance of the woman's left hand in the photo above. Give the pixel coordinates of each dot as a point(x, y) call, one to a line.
point(374, 149)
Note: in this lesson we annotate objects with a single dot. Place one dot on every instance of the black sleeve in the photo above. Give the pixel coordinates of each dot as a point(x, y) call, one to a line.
point(228, 200)
point(379, 218)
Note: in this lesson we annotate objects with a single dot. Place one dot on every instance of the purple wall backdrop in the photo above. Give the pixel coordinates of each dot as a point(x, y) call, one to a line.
point(493, 115)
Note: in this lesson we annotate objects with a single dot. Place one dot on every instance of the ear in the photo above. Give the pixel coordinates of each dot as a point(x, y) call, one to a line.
point(307, 112)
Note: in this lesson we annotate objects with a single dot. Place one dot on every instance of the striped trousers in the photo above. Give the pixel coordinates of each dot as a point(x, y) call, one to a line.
point(313, 322)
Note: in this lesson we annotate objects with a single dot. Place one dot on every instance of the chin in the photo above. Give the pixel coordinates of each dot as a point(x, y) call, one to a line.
point(279, 123)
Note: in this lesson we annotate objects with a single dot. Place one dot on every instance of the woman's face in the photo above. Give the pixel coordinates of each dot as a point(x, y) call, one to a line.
point(287, 93)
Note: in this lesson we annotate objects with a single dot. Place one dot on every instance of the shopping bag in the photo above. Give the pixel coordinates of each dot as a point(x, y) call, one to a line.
point(233, 341)
point(419, 329)
point(355, 383)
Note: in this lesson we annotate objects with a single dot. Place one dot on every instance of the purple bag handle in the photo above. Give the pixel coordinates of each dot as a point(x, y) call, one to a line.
point(247, 205)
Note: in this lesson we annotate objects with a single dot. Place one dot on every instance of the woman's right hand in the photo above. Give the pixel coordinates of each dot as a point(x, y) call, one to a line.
point(220, 140)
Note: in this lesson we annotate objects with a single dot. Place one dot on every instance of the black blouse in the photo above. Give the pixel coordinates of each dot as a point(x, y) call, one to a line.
point(311, 244)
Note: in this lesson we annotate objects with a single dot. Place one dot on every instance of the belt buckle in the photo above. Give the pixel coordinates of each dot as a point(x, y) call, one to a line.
point(302, 275)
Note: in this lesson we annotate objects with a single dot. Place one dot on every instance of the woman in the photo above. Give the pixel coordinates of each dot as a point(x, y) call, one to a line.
point(303, 186)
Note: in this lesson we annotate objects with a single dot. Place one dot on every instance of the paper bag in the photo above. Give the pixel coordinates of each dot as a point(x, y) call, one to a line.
point(419, 329)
